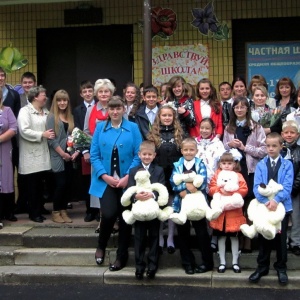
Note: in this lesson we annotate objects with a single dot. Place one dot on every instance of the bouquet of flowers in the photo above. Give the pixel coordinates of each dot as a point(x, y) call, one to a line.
point(79, 140)
point(270, 118)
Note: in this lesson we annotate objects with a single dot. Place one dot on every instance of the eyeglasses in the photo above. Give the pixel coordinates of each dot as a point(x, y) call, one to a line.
point(240, 108)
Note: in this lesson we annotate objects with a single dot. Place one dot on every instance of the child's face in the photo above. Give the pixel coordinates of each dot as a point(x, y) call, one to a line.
point(290, 134)
point(204, 91)
point(225, 92)
point(178, 89)
point(166, 116)
point(189, 151)
point(240, 111)
point(130, 94)
point(273, 147)
point(205, 130)
point(147, 156)
point(227, 165)
point(87, 94)
point(151, 99)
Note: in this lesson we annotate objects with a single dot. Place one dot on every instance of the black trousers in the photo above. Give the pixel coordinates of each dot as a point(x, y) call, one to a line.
point(111, 208)
point(203, 243)
point(265, 248)
point(6, 204)
point(140, 243)
point(34, 191)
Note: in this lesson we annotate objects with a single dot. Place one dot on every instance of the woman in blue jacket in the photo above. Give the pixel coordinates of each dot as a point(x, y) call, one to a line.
point(114, 151)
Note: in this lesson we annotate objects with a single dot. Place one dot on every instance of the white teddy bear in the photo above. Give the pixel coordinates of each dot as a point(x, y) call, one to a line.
point(149, 209)
point(229, 181)
point(193, 206)
point(265, 222)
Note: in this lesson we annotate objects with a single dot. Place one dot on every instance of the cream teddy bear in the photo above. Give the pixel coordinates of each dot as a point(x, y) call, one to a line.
point(229, 181)
point(265, 222)
point(194, 206)
point(149, 209)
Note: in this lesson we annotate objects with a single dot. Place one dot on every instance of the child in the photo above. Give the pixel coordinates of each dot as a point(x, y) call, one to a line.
point(229, 222)
point(189, 162)
point(273, 166)
point(132, 100)
point(167, 135)
point(146, 114)
point(290, 134)
point(147, 155)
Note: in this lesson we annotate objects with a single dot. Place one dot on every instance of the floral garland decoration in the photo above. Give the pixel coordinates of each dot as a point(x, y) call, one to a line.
point(207, 23)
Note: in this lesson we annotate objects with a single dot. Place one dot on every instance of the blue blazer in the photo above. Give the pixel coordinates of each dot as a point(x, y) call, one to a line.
point(127, 139)
point(285, 177)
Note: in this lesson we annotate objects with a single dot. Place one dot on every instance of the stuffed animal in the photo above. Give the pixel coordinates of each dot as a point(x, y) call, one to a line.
point(265, 222)
point(193, 206)
point(149, 209)
point(228, 180)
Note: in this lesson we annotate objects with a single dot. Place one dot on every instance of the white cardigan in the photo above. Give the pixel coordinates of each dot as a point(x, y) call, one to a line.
point(34, 153)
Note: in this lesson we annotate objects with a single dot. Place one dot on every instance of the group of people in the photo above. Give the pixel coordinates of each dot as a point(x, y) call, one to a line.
point(181, 130)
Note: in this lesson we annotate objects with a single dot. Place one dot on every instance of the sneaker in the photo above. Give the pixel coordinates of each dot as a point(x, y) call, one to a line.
point(296, 250)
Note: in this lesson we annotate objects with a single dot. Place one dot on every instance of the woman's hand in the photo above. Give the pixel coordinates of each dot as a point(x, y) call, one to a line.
point(49, 134)
point(86, 157)
point(123, 182)
point(110, 180)
point(66, 156)
point(74, 155)
point(181, 110)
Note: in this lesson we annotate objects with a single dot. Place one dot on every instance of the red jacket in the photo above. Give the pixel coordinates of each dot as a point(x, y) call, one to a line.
point(217, 119)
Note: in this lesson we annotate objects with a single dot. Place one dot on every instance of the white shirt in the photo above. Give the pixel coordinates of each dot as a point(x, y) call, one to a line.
point(151, 113)
point(205, 109)
point(189, 163)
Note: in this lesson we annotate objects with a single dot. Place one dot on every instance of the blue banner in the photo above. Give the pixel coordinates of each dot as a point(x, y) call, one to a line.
point(273, 61)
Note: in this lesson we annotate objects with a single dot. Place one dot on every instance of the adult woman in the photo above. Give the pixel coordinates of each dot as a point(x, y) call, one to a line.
point(180, 94)
point(61, 121)
point(114, 151)
point(260, 111)
point(103, 91)
point(132, 100)
point(285, 96)
point(248, 137)
point(34, 157)
point(257, 80)
point(208, 106)
point(8, 129)
point(239, 87)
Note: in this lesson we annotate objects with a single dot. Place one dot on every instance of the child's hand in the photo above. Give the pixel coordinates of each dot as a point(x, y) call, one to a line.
point(272, 205)
point(225, 193)
point(182, 194)
point(143, 196)
point(190, 187)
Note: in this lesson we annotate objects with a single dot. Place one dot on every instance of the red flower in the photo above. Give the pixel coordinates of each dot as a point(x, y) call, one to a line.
point(163, 20)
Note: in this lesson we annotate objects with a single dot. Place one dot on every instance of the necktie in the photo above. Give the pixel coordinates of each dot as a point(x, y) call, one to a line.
point(273, 166)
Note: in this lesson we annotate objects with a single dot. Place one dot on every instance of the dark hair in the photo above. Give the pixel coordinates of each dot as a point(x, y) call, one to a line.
point(224, 83)
point(3, 71)
point(210, 121)
point(172, 83)
point(242, 79)
point(85, 84)
point(34, 92)
point(115, 101)
point(28, 75)
point(285, 80)
point(150, 88)
point(214, 102)
point(137, 100)
point(257, 78)
point(228, 157)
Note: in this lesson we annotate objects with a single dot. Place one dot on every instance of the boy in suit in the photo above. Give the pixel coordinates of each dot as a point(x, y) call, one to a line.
point(87, 94)
point(146, 114)
point(147, 155)
point(275, 167)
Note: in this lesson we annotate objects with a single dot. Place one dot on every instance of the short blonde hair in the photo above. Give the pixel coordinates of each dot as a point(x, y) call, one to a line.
point(291, 123)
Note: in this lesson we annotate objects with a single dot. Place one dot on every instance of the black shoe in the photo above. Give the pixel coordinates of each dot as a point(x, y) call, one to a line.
point(151, 274)
point(296, 250)
point(171, 249)
point(282, 277)
point(11, 218)
point(189, 270)
point(45, 211)
point(254, 277)
point(69, 206)
point(116, 266)
point(160, 250)
point(221, 268)
point(98, 217)
point(89, 217)
point(37, 220)
point(43, 218)
point(202, 269)
point(139, 275)
point(236, 268)
point(99, 256)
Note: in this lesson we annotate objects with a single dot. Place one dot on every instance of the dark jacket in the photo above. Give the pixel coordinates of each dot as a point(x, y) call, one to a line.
point(13, 101)
point(79, 115)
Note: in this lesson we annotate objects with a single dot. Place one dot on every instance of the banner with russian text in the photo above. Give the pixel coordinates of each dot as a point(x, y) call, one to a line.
point(273, 61)
point(188, 61)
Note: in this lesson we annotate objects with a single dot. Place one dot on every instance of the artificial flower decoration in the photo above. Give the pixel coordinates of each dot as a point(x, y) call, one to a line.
point(11, 59)
point(163, 22)
point(207, 23)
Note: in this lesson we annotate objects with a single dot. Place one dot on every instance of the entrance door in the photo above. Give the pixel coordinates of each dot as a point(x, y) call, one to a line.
point(67, 56)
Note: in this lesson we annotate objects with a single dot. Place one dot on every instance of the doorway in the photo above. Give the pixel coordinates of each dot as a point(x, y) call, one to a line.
point(67, 56)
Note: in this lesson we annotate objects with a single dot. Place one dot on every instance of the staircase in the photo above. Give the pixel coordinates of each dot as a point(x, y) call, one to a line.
point(51, 253)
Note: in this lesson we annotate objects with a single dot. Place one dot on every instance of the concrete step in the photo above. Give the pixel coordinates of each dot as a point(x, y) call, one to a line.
point(166, 276)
